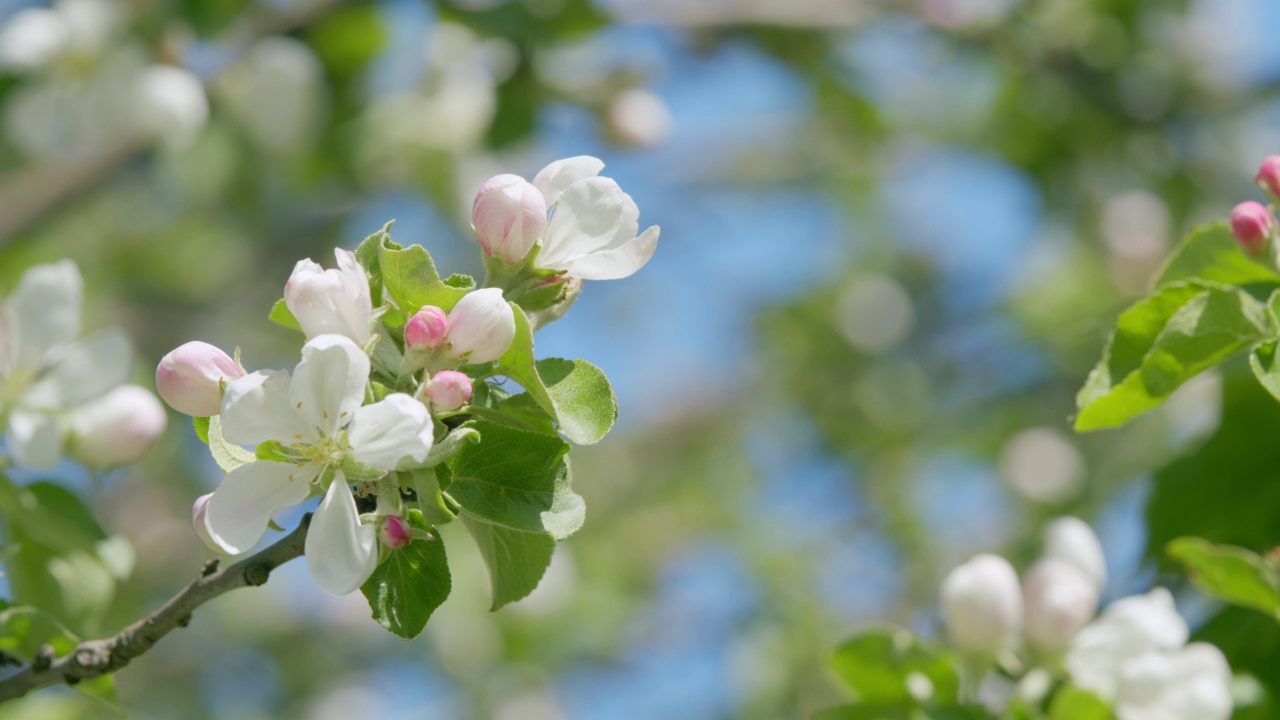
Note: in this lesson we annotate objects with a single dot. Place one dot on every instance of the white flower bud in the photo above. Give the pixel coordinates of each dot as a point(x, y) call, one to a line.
point(170, 104)
point(982, 605)
point(32, 37)
point(1060, 599)
point(1071, 539)
point(333, 301)
point(190, 378)
point(640, 118)
point(509, 215)
point(118, 428)
point(481, 327)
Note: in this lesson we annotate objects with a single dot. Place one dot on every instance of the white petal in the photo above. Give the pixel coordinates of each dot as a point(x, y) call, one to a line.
point(34, 439)
point(593, 214)
point(385, 433)
point(328, 385)
point(249, 496)
point(44, 311)
point(341, 552)
point(1192, 683)
point(554, 178)
point(83, 370)
point(617, 263)
point(256, 407)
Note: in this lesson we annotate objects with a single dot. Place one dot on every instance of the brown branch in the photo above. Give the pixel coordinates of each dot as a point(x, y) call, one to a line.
point(93, 658)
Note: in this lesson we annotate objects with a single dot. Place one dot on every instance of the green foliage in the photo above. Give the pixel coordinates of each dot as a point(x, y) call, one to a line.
point(1211, 253)
point(409, 278)
point(409, 584)
point(879, 666)
point(282, 316)
point(516, 559)
point(1231, 573)
point(1072, 703)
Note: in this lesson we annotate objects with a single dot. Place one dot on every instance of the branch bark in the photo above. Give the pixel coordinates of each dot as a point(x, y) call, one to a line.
point(92, 658)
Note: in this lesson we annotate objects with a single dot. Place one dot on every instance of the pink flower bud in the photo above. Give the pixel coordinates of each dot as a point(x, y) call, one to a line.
point(1268, 177)
point(509, 215)
point(448, 390)
point(198, 520)
point(1060, 599)
point(425, 330)
point(118, 428)
point(190, 378)
point(395, 532)
point(1253, 226)
point(481, 327)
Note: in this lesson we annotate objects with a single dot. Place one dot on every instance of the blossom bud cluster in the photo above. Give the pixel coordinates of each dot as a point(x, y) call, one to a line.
point(479, 329)
point(1252, 223)
point(1134, 655)
point(65, 394)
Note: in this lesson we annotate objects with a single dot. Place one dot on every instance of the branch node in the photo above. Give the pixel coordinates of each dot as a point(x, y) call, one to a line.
point(210, 567)
point(257, 573)
point(91, 658)
point(43, 659)
point(185, 620)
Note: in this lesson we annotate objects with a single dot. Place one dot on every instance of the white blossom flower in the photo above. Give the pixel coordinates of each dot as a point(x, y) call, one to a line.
point(331, 301)
point(318, 418)
point(982, 604)
point(46, 370)
point(1192, 683)
point(1127, 629)
point(170, 104)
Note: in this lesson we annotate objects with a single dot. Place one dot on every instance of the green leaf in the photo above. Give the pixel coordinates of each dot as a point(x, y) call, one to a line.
point(516, 560)
point(894, 666)
point(882, 711)
point(410, 281)
point(408, 586)
point(23, 630)
point(368, 254)
point(1263, 363)
point(575, 393)
point(281, 315)
point(1210, 252)
point(226, 455)
point(426, 484)
point(201, 424)
point(517, 479)
point(1072, 703)
point(1163, 341)
point(1231, 573)
point(452, 443)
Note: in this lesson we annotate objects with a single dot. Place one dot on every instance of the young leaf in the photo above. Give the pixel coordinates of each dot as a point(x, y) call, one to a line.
point(281, 315)
point(368, 254)
point(1210, 252)
point(1163, 341)
point(410, 281)
point(408, 586)
point(516, 560)
point(879, 665)
point(227, 456)
point(1234, 574)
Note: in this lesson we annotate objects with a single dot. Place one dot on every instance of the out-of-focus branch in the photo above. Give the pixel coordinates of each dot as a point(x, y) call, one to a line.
point(93, 658)
point(28, 194)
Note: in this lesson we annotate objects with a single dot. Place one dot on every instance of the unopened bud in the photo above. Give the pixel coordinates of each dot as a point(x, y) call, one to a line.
point(1071, 539)
point(1253, 226)
point(1060, 599)
point(448, 390)
point(190, 378)
point(480, 327)
point(395, 532)
point(198, 520)
point(331, 301)
point(118, 428)
point(982, 605)
point(509, 215)
point(425, 330)
point(1268, 177)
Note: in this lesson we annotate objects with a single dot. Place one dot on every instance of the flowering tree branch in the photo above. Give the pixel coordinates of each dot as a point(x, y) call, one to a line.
point(93, 658)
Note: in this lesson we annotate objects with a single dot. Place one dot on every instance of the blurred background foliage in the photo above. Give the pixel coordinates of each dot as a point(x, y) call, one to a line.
point(894, 237)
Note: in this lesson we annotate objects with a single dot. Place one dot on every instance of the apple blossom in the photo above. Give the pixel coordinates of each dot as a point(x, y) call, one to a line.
point(1253, 226)
point(317, 417)
point(395, 532)
point(1060, 599)
point(447, 390)
point(1192, 683)
point(170, 104)
point(425, 330)
point(331, 301)
point(1268, 177)
point(1127, 629)
point(480, 327)
point(1071, 539)
point(509, 216)
point(32, 37)
point(982, 605)
point(190, 378)
point(117, 428)
point(592, 225)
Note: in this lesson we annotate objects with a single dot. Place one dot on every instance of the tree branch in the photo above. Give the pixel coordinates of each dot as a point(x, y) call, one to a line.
point(92, 658)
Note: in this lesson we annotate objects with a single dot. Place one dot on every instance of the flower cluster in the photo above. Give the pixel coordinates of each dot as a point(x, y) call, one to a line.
point(1252, 223)
point(384, 388)
point(61, 393)
point(1134, 655)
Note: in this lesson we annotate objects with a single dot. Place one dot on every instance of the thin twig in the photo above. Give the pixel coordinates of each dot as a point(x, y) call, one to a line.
point(92, 658)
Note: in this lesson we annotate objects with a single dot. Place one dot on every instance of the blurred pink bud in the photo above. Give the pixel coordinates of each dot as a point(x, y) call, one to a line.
point(425, 330)
point(481, 327)
point(190, 378)
point(509, 215)
point(448, 390)
point(1268, 177)
point(118, 428)
point(1060, 599)
point(197, 519)
point(395, 532)
point(1252, 225)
